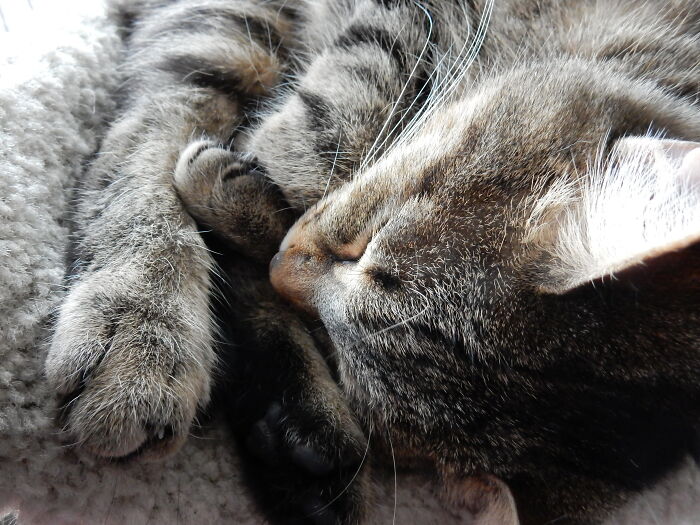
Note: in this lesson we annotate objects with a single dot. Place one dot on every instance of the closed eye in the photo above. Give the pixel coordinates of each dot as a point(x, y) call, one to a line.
point(384, 279)
point(350, 252)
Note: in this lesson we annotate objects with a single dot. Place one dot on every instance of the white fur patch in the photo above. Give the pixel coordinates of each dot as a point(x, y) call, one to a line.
point(645, 200)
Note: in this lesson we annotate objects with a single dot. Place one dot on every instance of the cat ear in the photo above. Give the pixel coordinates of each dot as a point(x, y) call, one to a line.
point(635, 220)
point(486, 498)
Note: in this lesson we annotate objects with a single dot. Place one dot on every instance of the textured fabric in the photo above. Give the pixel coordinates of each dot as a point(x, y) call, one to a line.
point(55, 98)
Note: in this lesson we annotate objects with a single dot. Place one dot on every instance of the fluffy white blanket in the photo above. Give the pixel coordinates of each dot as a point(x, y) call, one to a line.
point(55, 97)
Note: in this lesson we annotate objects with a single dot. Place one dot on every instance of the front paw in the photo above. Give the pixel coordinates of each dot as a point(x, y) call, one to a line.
point(313, 470)
point(132, 362)
point(227, 192)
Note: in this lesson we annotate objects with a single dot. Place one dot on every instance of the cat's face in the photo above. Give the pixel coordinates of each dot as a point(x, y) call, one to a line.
point(446, 255)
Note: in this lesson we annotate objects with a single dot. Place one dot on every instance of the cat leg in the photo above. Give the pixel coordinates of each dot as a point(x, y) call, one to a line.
point(306, 452)
point(353, 95)
point(132, 349)
point(305, 449)
point(366, 81)
point(310, 452)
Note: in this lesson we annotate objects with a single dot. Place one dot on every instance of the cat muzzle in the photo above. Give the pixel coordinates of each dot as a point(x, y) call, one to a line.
point(294, 273)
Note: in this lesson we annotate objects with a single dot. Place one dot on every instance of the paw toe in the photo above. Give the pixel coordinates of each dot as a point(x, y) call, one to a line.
point(312, 465)
point(273, 415)
point(124, 392)
point(262, 442)
point(311, 460)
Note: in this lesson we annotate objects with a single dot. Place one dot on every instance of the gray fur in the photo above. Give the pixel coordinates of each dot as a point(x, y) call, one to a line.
point(425, 172)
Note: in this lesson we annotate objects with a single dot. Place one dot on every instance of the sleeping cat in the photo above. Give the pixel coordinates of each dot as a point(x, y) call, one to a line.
point(500, 210)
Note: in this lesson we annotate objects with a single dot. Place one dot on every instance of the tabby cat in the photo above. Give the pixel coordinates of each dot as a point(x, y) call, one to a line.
point(494, 211)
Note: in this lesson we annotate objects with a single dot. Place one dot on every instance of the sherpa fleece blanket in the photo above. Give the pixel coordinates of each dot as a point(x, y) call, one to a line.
point(56, 82)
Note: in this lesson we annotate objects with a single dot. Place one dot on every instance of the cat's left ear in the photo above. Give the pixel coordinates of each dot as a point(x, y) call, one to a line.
point(635, 221)
point(486, 499)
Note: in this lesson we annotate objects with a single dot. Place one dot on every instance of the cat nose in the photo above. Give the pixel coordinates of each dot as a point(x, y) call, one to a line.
point(294, 272)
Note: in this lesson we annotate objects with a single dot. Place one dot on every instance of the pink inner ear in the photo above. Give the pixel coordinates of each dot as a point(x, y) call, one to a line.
point(690, 168)
point(683, 156)
point(679, 158)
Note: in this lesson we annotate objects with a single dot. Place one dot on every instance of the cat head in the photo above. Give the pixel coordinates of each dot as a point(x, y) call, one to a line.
point(519, 236)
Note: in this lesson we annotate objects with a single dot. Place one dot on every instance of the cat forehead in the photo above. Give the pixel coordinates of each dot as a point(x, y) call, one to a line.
point(452, 173)
point(499, 131)
point(484, 152)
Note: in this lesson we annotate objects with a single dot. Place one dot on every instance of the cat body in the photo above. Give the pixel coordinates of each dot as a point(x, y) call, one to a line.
point(454, 164)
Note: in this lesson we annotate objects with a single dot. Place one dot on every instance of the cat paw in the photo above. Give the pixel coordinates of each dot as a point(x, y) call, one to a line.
point(202, 167)
point(130, 363)
point(229, 193)
point(311, 470)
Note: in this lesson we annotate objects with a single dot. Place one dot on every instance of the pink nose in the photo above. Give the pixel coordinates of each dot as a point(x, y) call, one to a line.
point(294, 273)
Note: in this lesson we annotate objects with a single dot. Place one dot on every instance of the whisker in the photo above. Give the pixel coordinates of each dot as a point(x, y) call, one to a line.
point(357, 473)
point(373, 148)
point(330, 176)
point(393, 326)
point(454, 76)
point(111, 501)
point(393, 461)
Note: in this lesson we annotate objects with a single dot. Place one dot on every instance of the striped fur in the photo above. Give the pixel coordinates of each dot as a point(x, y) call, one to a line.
point(437, 156)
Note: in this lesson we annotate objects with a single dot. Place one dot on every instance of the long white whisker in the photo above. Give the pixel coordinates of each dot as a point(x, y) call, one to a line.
point(396, 478)
point(330, 175)
point(454, 77)
point(400, 123)
point(372, 149)
point(393, 326)
point(357, 473)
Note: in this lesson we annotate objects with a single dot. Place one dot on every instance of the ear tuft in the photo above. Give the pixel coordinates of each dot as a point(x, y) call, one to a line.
point(640, 205)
